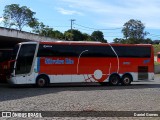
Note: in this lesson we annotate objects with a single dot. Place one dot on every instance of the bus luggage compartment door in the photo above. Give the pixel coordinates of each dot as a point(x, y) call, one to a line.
point(142, 72)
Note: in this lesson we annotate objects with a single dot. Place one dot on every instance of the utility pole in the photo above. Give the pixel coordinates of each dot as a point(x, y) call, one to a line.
point(72, 20)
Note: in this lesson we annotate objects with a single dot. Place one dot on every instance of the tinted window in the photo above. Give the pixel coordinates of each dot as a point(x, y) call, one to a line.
point(93, 51)
point(25, 58)
point(75, 51)
point(133, 51)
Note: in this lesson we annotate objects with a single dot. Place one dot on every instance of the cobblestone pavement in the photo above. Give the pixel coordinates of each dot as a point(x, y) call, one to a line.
point(140, 96)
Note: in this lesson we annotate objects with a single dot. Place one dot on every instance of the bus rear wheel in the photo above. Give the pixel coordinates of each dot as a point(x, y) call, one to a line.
point(114, 80)
point(126, 80)
point(42, 81)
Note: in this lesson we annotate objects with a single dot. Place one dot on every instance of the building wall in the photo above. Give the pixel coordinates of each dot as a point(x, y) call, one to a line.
point(23, 35)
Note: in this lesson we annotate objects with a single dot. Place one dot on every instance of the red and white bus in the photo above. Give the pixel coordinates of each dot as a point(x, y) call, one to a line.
point(42, 63)
point(5, 56)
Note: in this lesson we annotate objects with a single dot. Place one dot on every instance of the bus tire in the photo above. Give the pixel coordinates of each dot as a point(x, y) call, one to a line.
point(42, 81)
point(114, 79)
point(126, 79)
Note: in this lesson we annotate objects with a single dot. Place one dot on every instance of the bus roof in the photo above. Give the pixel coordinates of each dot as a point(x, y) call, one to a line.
point(84, 43)
point(91, 43)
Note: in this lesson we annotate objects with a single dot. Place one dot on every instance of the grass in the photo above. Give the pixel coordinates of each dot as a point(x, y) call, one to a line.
point(156, 49)
point(156, 63)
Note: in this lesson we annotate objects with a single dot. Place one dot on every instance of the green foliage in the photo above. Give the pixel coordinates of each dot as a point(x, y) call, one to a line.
point(134, 29)
point(156, 49)
point(133, 32)
point(98, 36)
point(68, 36)
point(38, 27)
point(156, 63)
point(139, 41)
point(133, 41)
point(46, 31)
point(76, 35)
point(17, 16)
point(147, 41)
point(86, 37)
point(73, 35)
point(58, 34)
point(119, 40)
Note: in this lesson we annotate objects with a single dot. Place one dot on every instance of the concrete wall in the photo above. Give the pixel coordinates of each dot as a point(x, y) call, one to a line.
point(23, 35)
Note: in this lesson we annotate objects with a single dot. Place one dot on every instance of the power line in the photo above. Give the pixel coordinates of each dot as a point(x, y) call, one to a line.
point(113, 36)
point(154, 35)
point(60, 26)
point(96, 28)
point(89, 30)
point(84, 29)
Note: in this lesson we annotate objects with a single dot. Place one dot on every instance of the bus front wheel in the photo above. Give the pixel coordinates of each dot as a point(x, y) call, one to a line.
point(42, 81)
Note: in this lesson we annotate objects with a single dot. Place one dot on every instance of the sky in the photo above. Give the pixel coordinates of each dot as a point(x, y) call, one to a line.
point(107, 16)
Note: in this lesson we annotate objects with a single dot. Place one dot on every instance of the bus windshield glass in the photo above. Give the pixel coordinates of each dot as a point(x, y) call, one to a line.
point(25, 58)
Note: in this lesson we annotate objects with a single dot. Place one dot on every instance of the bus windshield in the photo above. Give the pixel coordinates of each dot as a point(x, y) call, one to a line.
point(25, 58)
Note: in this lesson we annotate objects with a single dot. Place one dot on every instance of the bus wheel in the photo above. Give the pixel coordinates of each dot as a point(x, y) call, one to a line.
point(42, 81)
point(114, 80)
point(126, 79)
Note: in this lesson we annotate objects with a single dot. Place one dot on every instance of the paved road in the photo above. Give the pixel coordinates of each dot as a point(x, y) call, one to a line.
point(140, 96)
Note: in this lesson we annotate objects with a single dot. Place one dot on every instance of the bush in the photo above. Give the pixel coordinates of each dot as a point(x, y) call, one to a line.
point(156, 63)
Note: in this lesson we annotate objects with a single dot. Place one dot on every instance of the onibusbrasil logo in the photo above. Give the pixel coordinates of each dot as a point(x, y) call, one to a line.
point(21, 114)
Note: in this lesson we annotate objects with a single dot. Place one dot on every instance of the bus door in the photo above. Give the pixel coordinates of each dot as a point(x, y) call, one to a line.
point(24, 62)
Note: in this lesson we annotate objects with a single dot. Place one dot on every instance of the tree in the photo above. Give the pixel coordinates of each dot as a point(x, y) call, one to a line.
point(68, 36)
point(86, 37)
point(98, 36)
point(38, 27)
point(74, 35)
point(133, 41)
point(119, 40)
point(134, 29)
point(147, 41)
point(46, 31)
point(58, 34)
point(17, 16)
